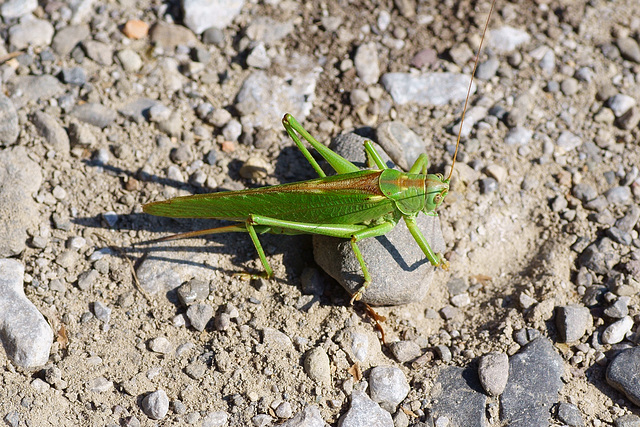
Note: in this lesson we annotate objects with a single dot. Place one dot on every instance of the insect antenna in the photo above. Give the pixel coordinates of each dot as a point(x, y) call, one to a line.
point(466, 101)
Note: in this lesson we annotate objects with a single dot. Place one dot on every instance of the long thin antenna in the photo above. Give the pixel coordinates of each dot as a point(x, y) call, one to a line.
point(466, 101)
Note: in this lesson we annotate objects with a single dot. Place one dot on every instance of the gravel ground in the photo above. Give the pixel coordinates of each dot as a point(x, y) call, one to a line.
point(107, 106)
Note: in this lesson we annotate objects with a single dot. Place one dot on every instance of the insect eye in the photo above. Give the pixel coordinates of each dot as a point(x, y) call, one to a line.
point(437, 198)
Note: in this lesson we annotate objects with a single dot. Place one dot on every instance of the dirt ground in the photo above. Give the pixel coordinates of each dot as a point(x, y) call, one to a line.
point(504, 243)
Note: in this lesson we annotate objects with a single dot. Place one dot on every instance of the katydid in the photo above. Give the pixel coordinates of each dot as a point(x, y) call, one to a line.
point(353, 204)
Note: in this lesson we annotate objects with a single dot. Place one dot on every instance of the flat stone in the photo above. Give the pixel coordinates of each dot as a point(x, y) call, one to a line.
point(9, 125)
point(401, 143)
point(12, 9)
point(25, 334)
point(364, 412)
point(94, 114)
point(171, 35)
point(493, 372)
point(20, 178)
point(570, 415)
point(69, 37)
point(428, 89)
point(388, 387)
point(572, 322)
point(200, 15)
point(102, 53)
point(399, 269)
point(317, 365)
point(506, 39)
point(366, 63)
point(622, 374)
point(31, 32)
point(616, 332)
point(535, 379)
point(309, 417)
point(458, 396)
point(34, 88)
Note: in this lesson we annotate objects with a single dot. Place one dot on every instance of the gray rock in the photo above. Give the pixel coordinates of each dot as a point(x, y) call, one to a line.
point(263, 100)
point(600, 257)
point(388, 387)
point(366, 63)
point(94, 114)
point(473, 115)
point(506, 39)
point(622, 374)
point(69, 37)
point(567, 141)
point(130, 60)
point(195, 290)
point(430, 89)
point(25, 334)
point(155, 405)
point(584, 192)
point(267, 30)
point(518, 136)
point(616, 332)
point(443, 353)
point(138, 110)
point(569, 86)
point(202, 14)
point(258, 57)
point(317, 365)
point(74, 76)
point(309, 417)
point(487, 69)
point(535, 379)
point(488, 185)
point(493, 372)
point(570, 415)
point(365, 412)
point(629, 49)
point(215, 419)
point(12, 9)
point(399, 269)
point(629, 220)
point(100, 52)
point(161, 345)
point(9, 126)
point(101, 311)
point(620, 104)
point(171, 35)
point(20, 177)
point(52, 131)
point(199, 315)
point(33, 88)
point(618, 195)
point(572, 322)
point(619, 309)
point(628, 420)
point(30, 32)
point(405, 351)
point(401, 143)
point(458, 396)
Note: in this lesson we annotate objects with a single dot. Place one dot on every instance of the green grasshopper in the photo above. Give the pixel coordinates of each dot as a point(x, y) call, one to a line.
point(354, 204)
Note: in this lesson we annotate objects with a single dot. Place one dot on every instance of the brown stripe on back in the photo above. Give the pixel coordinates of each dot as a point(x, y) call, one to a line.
point(358, 182)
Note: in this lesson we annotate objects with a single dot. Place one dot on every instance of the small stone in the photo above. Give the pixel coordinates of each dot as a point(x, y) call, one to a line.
point(195, 290)
point(619, 309)
point(101, 311)
point(135, 29)
point(94, 114)
point(499, 173)
point(222, 322)
point(629, 49)
point(102, 53)
point(202, 14)
point(161, 345)
point(572, 322)
point(584, 192)
point(365, 412)
point(567, 141)
point(366, 63)
point(443, 353)
point(155, 405)
point(506, 39)
point(570, 415)
point(620, 104)
point(258, 57)
point(9, 125)
point(317, 365)
point(518, 136)
point(171, 35)
point(617, 331)
point(25, 334)
point(618, 195)
point(569, 86)
point(30, 32)
point(429, 89)
point(130, 60)
point(51, 130)
point(12, 9)
point(405, 351)
point(254, 168)
point(215, 419)
point(87, 279)
point(488, 185)
point(99, 385)
point(199, 315)
point(622, 374)
point(284, 410)
point(487, 69)
point(310, 416)
point(67, 38)
point(493, 372)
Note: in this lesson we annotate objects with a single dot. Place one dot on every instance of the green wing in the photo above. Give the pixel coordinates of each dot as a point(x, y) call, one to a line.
point(350, 198)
